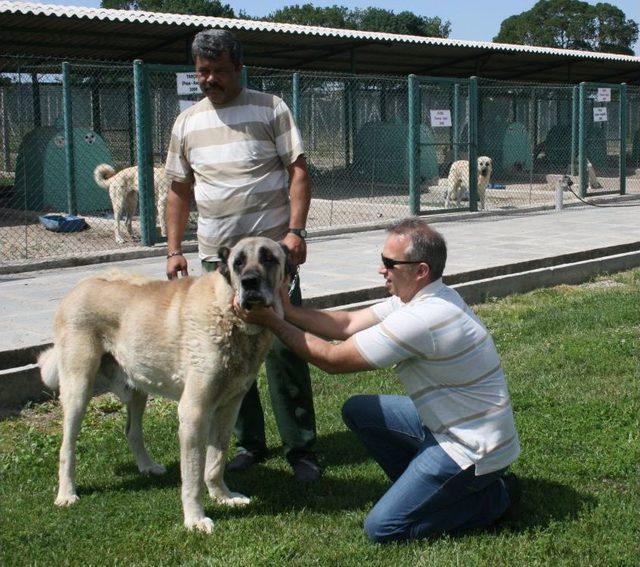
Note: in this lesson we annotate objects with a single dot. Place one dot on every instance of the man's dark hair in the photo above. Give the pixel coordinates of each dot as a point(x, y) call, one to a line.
point(211, 44)
point(427, 244)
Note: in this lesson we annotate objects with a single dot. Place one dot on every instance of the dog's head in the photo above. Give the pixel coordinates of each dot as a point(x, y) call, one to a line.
point(256, 267)
point(485, 166)
point(565, 182)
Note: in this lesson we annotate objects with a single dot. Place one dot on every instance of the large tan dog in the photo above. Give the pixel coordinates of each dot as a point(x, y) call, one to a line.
point(123, 192)
point(180, 339)
point(458, 180)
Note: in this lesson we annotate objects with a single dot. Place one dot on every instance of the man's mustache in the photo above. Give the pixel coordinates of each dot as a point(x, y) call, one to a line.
point(212, 87)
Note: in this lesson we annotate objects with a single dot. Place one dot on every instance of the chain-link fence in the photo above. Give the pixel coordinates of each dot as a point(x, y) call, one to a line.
point(378, 148)
point(633, 140)
point(61, 124)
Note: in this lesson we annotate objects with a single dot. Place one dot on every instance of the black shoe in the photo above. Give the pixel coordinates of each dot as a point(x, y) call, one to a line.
point(307, 469)
point(242, 461)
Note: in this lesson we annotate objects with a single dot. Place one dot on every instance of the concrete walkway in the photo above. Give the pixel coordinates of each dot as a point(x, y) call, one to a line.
point(342, 269)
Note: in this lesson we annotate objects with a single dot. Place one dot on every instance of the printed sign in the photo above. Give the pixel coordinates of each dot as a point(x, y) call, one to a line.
point(187, 83)
point(440, 118)
point(604, 95)
point(184, 104)
point(600, 114)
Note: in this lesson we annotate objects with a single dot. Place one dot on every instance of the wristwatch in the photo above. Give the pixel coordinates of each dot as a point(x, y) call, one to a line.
point(301, 232)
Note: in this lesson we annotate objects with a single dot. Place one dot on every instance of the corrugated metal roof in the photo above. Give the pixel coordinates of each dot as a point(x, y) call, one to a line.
point(44, 31)
point(134, 16)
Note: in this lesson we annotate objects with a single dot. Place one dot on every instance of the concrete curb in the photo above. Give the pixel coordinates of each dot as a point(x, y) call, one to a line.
point(20, 382)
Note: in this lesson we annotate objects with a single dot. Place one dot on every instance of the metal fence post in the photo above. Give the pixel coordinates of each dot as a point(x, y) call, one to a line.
point(473, 144)
point(296, 98)
point(456, 116)
point(574, 128)
point(35, 89)
point(348, 121)
point(145, 157)
point(582, 139)
point(68, 139)
point(623, 138)
point(413, 145)
point(244, 77)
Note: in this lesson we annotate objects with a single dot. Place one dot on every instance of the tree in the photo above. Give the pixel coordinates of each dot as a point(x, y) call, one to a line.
point(309, 15)
point(378, 19)
point(199, 7)
point(571, 24)
point(369, 19)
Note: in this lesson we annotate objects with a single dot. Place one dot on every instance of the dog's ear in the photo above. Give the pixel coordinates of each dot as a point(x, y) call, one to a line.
point(223, 265)
point(289, 268)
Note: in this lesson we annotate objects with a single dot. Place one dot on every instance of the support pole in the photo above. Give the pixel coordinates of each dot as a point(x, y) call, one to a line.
point(574, 129)
point(146, 194)
point(455, 132)
point(413, 145)
point(72, 207)
point(623, 139)
point(296, 98)
point(473, 143)
point(582, 139)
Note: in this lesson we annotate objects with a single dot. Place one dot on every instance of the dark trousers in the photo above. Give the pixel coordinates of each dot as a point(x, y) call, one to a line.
point(289, 384)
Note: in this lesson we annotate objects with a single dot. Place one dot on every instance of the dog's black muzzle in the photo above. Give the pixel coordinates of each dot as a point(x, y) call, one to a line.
point(251, 282)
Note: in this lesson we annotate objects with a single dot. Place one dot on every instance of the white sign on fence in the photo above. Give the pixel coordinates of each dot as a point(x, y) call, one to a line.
point(184, 104)
point(187, 83)
point(600, 114)
point(440, 118)
point(604, 95)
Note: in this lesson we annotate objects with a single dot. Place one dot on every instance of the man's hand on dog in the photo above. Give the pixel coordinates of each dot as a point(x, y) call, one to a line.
point(175, 265)
point(263, 316)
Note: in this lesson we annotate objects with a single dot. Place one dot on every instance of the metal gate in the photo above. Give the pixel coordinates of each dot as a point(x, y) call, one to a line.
point(602, 124)
point(442, 130)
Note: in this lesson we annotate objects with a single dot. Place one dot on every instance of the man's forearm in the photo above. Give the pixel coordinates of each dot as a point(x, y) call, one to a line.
point(299, 194)
point(177, 217)
point(329, 324)
point(307, 346)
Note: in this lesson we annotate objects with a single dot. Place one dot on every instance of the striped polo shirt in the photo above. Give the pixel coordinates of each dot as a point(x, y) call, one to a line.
point(450, 368)
point(236, 155)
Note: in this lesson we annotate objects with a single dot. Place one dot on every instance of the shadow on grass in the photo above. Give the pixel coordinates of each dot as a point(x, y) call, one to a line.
point(542, 502)
point(345, 487)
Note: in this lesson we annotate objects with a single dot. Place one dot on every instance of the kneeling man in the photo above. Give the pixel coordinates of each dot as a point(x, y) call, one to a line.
point(445, 446)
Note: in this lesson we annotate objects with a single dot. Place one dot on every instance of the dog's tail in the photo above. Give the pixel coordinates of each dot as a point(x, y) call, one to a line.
point(102, 173)
point(48, 363)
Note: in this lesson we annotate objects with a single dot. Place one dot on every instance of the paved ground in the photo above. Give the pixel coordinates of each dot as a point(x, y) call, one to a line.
point(349, 262)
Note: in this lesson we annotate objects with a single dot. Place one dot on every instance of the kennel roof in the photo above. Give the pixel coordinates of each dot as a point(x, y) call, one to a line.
point(74, 33)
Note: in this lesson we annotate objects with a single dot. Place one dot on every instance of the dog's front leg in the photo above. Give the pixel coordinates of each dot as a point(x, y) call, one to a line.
point(193, 429)
point(222, 420)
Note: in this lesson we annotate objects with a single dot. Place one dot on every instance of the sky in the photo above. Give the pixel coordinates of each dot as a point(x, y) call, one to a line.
point(470, 19)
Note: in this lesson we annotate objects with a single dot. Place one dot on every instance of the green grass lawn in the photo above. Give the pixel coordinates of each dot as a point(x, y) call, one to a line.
point(571, 359)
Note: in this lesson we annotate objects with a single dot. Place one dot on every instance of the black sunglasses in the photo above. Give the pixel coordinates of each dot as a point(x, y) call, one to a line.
point(389, 264)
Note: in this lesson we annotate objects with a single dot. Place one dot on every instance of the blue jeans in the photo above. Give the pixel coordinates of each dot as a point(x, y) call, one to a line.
point(430, 493)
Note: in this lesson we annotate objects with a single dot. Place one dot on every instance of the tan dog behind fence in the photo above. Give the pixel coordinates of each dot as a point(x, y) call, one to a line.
point(458, 180)
point(180, 339)
point(123, 192)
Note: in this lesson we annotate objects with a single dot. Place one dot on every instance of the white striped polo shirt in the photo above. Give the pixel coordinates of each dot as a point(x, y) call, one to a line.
point(450, 367)
point(236, 155)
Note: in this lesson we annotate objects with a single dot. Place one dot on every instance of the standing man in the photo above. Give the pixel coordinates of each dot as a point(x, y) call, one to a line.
point(447, 444)
point(235, 148)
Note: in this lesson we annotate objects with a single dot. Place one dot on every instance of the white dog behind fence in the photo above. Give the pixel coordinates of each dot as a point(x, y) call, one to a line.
point(123, 192)
point(458, 180)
